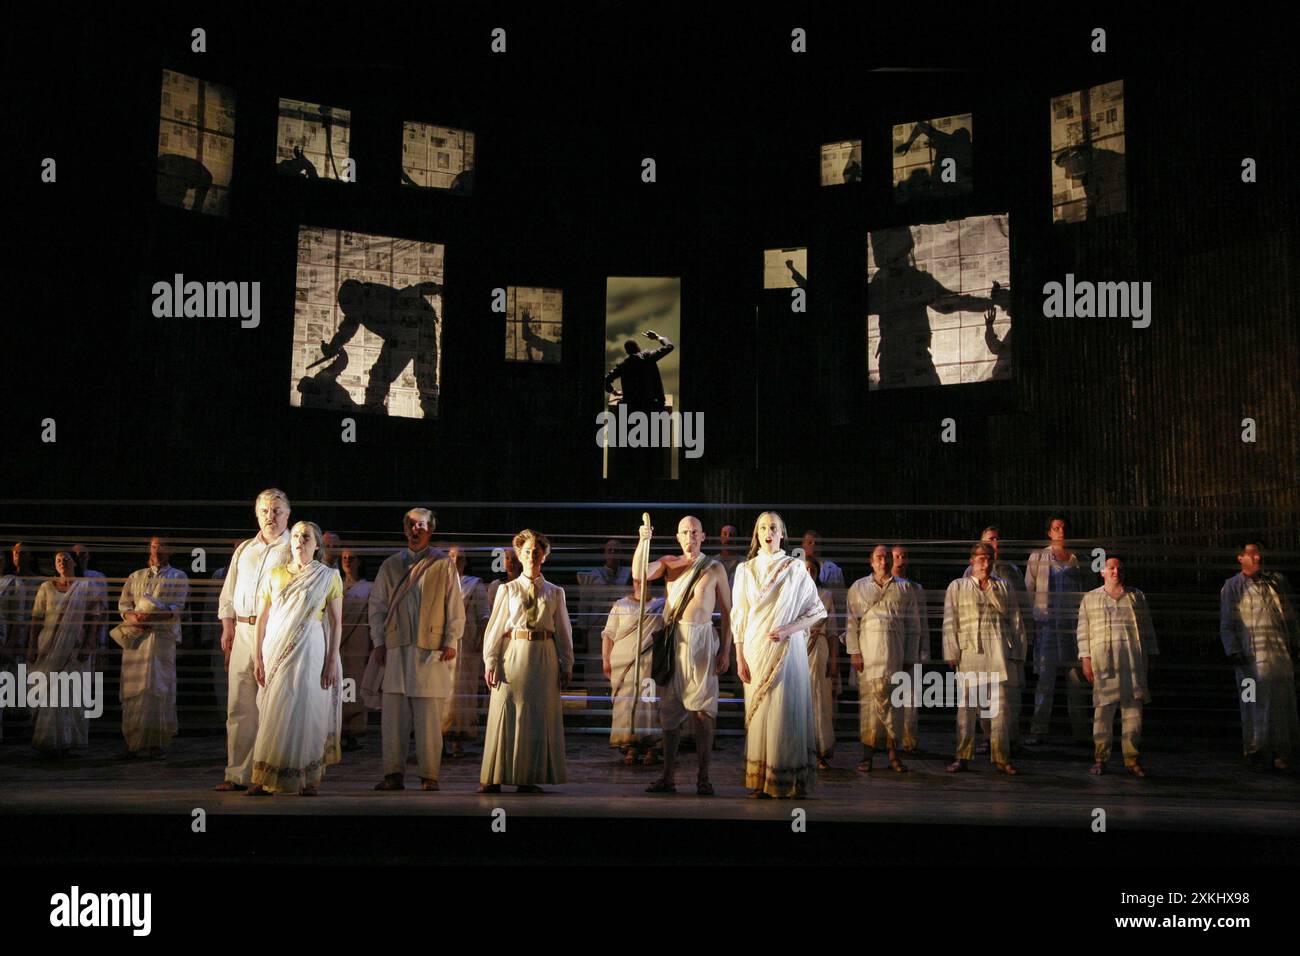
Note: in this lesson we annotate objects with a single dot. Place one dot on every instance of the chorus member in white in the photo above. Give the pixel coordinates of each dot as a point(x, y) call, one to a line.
point(831, 575)
point(460, 722)
point(982, 637)
point(151, 604)
point(1257, 624)
point(245, 580)
point(82, 555)
point(299, 623)
point(914, 599)
point(330, 552)
point(11, 633)
point(697, 586)
point(355, 645)
point(726, 555)
point(1054, 581)
point(528, 659)
point(823, 663)
point(67, 613)
point(1116, 639)
point(619, 649)
point(417, 616)
point(774, 605)
point(511, 563)
point(1016, 676)
point(882, 631)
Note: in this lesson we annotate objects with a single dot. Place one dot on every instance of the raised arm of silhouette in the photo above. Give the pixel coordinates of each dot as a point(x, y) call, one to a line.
point(799, 278)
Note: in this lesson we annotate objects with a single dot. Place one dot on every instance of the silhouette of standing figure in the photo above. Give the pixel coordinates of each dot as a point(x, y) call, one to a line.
point(900, 293)
point(398, 316)
point(955, 146)
point(548, 351)
point(638, 372)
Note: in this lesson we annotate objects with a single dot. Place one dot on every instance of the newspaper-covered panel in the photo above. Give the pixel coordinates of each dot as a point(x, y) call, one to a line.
point(196, 144)
point(1088, 162)
point(534, 321)
point(785, 268)
point(437, 157)
point(934, 159)
point(842, 162)
point(312, 141)
point(938, 300)
point(367, 328)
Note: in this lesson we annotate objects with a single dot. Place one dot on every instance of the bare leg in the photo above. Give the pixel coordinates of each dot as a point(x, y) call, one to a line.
point(704, 726)
point(672, 740)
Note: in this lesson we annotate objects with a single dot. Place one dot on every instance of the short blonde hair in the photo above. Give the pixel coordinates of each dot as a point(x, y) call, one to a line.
point(538, 539)
point(272, 493)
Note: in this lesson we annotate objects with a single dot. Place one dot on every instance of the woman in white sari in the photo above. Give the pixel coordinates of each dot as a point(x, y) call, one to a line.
point(67, 611)
point(300, 708)
point(774, 605)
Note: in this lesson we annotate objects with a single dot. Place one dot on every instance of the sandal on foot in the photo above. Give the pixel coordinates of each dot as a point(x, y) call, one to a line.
point(1007, 768)
point(704, 789)
point(957, 766)
point(392, 781)
point(822, 764)
point(1136, 770)
point(1097, 769)
point(651, 759)
point(661, 786)
point(489, 788)
point(897, 765)
point(228, 785)
point(256, 791)
point(758, 795)
point(428, 784)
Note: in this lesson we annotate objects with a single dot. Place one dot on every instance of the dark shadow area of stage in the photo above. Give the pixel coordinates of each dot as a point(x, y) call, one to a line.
point(1199, 807)
point(152, 840)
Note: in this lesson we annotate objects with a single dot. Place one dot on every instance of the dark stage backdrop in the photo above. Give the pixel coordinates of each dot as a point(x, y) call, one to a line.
point(1097, 414)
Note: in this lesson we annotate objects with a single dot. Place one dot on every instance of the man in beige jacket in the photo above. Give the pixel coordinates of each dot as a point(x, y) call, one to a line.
point(417, 616)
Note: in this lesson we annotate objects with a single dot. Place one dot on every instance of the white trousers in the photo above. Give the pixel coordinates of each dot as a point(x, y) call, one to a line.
point(241, 706)
point(398, 712)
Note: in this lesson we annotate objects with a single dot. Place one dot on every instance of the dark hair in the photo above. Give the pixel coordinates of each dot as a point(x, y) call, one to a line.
point(816, 568)
point(1241, 549)
point(631, 346)
point(1057, 516)
point(1123, 565)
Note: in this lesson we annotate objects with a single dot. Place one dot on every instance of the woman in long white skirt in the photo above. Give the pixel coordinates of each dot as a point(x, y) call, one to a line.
point(300, 709)
point(775, 603)
point(66, 611)
point(528, 656)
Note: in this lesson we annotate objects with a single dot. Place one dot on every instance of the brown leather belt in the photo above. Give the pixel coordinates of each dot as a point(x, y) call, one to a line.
point(246, 620)
point(523, 634)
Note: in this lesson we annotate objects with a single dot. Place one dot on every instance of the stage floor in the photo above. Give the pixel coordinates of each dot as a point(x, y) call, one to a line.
point(1202, 792)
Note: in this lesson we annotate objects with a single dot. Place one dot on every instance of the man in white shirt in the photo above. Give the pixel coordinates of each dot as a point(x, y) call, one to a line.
point(831, 575)
point(1054, 582)
point(1257, 624)
point(417, 616)
point(151, 604)
point(882, 632)
point(914, 596)
point(983, 637)
point(1116, 638)
point(249, 571)
point(1016, 676)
